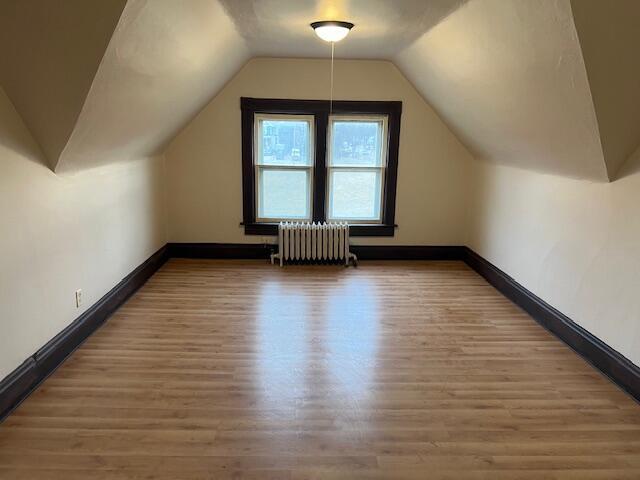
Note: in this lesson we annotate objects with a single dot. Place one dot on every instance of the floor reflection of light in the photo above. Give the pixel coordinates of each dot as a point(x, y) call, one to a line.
point(352, 338)
point(316, 351)
point(282, 346)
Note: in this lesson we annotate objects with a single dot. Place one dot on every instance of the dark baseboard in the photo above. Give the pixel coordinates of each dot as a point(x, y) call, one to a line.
point(408, 252)
point(364, 252)
point(24, 379)
point(614, 365)
point(244, 251)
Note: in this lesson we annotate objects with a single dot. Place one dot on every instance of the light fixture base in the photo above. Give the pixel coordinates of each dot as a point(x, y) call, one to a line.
point(332, 30)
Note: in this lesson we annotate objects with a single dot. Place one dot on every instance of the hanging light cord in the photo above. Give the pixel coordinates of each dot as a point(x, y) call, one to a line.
point(333, 44)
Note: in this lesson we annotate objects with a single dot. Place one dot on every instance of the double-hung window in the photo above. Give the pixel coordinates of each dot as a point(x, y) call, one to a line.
point(356, 167)
point(284, 167)
point(303, 162)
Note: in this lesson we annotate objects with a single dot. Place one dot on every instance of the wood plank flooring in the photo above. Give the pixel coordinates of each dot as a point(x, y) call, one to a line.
point(393, 370)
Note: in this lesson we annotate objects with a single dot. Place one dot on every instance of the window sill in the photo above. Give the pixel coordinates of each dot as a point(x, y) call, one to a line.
point(355, 230)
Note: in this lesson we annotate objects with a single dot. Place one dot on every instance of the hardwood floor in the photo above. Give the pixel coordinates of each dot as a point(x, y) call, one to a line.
point(394, 370)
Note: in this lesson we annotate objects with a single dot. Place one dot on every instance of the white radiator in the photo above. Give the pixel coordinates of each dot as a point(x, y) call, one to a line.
point(313, 242)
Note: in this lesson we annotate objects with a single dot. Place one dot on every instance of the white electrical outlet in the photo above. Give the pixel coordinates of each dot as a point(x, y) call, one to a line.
point(78, 298)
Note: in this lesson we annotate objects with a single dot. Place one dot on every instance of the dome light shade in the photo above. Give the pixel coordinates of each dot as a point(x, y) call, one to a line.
point(332, 30)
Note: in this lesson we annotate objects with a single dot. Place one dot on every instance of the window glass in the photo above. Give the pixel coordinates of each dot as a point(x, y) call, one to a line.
point(284, 142)
point(355, 195)
point(284, 194)
point(356, 143)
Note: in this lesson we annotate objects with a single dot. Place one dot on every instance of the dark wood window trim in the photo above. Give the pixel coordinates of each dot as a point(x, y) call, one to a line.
point(320, 110)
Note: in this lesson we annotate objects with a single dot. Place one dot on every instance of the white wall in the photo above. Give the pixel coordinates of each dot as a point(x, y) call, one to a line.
point(573, 243)
point(59, 233)
point(204, 161)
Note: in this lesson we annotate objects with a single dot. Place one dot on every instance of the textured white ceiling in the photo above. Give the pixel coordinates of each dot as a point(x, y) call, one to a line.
point(509, 78)
point(280, 28)
point(165, 61)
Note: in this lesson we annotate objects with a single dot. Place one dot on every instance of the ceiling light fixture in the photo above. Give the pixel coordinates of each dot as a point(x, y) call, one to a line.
point(332, 30)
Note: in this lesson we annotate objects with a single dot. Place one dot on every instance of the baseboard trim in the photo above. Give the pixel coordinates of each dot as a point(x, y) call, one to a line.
point(364, 252)
point(19, 384)
point(408, 252)
point(240, 251)
point(618, 368)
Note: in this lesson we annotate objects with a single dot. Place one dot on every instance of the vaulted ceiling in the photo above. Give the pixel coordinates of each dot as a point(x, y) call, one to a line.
point(549, 85)
point(509, 78)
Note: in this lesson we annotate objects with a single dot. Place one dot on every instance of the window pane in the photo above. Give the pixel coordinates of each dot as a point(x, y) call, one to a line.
point(283, 194)
point(355, 195)
point(356, 143)
point(284, 142)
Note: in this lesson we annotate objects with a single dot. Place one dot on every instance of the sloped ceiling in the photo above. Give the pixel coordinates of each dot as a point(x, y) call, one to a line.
point(509, 78)
point(165, 61)
point(609, 34)
point(49, 54)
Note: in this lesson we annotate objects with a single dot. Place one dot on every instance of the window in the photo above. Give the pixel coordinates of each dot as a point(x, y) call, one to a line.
point(356, 167)
point(299, 163)
point(284, 167)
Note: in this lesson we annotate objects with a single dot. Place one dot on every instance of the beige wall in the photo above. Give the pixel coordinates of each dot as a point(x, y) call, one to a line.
point(204, 164)
point(60, 233)
point(573, 243)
